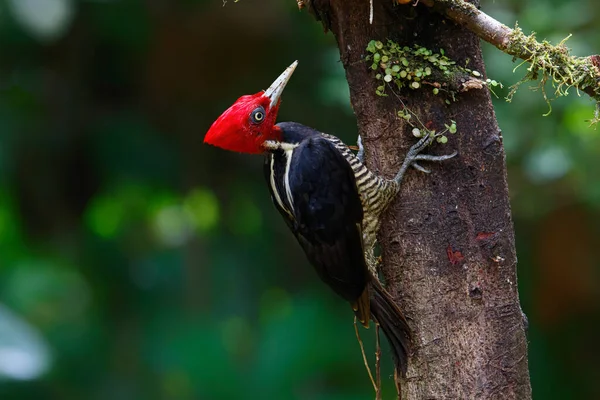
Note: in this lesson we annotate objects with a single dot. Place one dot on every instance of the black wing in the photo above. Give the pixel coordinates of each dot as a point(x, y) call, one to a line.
point(326, 213)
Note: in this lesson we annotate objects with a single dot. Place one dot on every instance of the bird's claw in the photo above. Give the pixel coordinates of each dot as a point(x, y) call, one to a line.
point(416, 166)
point(429, 157)
point(414, 155)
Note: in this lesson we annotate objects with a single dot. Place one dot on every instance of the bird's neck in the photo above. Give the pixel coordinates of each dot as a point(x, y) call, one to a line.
point(275, 140)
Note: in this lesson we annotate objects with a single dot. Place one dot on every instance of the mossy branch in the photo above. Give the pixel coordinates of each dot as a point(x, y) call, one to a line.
point(549, 62)
point(566, 70)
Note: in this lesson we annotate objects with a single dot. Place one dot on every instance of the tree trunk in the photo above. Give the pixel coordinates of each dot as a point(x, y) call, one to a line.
point(447, 242)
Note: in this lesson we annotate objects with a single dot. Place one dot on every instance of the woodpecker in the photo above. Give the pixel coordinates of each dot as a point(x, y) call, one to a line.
point(327, 197)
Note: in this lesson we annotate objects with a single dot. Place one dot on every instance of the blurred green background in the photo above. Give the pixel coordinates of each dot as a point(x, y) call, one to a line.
point(136, 263)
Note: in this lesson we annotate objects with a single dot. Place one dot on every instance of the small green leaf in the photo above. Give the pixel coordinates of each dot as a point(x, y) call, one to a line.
point(371, 47)
point(452, 128)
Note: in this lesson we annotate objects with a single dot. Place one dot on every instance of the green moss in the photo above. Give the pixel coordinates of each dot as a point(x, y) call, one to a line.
point(404, 66)
point(554, 64)
point(416, 68)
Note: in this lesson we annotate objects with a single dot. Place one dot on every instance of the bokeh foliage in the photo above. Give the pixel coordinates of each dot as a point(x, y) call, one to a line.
point(136, 263)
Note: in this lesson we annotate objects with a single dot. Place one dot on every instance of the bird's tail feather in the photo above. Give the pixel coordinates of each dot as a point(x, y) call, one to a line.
point(389, 317)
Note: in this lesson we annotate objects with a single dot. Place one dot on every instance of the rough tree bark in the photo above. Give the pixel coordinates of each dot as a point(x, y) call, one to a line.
point(447, 242)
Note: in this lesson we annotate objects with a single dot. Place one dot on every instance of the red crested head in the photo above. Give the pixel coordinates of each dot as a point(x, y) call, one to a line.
point(250, 121)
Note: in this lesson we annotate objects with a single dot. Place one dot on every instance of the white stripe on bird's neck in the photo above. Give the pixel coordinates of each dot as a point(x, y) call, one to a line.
point(276, 145)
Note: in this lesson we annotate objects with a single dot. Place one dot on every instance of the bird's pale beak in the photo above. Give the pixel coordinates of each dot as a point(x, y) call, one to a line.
point(275, 90)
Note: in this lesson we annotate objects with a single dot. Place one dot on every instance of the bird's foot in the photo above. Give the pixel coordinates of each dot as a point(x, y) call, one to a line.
point(414, 156)
point(361, 150)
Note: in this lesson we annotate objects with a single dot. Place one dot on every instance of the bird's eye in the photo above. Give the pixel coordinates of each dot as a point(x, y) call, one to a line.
point(258, 115)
